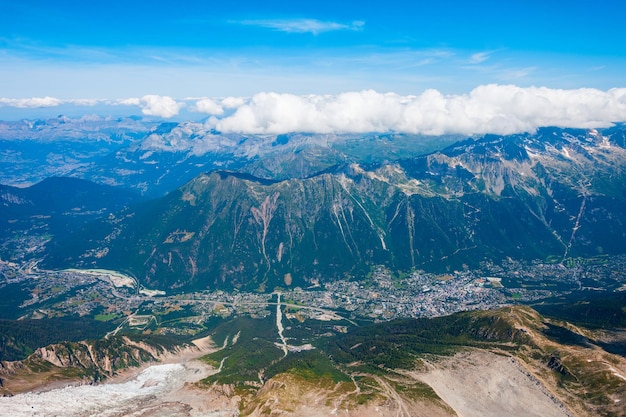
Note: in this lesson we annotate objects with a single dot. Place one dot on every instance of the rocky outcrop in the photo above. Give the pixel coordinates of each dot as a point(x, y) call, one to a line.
point(87, 361)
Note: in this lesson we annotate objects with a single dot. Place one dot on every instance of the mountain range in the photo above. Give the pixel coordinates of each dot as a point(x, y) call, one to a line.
point(548, 195)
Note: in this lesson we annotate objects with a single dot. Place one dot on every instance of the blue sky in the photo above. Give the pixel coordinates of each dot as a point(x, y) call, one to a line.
point(72, 50)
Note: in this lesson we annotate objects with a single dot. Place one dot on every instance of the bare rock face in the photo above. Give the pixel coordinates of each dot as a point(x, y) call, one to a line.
point(10, 367)
point(556, 364)
point(50, 355)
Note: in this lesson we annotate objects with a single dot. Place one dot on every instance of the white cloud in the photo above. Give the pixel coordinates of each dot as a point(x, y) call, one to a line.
point(500, 109)
point(233, 102)
point(151, 105)
point(128, 102)
point(84, 102)
point(160, 106)
point(313, 26)
point(35, 102)
point(479, 57)
point(209, 106)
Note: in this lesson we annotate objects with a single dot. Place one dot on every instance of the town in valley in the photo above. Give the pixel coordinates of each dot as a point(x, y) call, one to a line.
point(381, 295)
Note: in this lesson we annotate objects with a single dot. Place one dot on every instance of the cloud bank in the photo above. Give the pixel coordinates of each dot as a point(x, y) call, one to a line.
point(487, 109)
point(499, 109)
point(30, 103)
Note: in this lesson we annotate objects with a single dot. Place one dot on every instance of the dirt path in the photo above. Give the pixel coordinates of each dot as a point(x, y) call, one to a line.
point(403, 409)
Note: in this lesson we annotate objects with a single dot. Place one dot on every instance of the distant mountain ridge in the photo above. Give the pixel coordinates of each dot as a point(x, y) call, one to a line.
point(58, 194)
point(55, 206)
point(32, 150)
point(553, 194)
point(172, 154)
